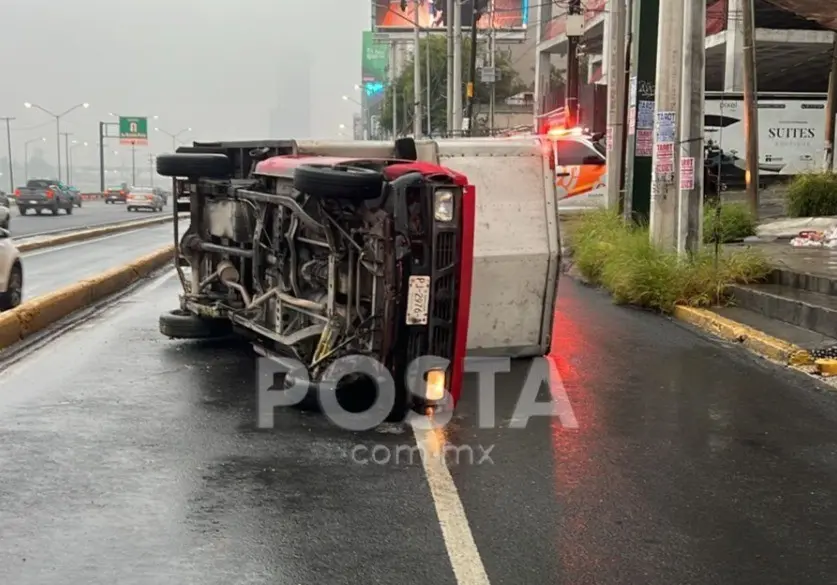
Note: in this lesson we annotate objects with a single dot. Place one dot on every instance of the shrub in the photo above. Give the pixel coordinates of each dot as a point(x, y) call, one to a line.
point(813, 195)
point(735, 222)
point(622, 259)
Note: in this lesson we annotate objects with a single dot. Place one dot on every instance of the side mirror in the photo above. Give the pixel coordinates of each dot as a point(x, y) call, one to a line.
point(4, 233)
point(593, 160)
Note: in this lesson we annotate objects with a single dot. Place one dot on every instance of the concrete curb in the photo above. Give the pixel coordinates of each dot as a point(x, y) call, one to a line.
point(89, 234)
point(41, 312)
point(754, 340)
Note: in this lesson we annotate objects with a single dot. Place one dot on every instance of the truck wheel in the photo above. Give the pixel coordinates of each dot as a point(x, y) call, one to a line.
point(54, 210)
point(79, 203)
point(180, 324)
point(210, 166)
point(23, 210)
point(14, 290)
point(70, 209)
point(39, 211)
point(338, 182)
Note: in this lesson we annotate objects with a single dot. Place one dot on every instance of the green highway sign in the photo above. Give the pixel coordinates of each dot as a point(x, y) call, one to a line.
point(133, 130)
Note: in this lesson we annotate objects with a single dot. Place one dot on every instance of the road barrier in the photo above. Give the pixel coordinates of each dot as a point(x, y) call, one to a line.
point(89, 234)
point(39, 313)
point(92, 196)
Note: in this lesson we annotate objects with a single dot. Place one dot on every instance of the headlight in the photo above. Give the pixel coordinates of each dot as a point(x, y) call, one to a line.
point(443, 206)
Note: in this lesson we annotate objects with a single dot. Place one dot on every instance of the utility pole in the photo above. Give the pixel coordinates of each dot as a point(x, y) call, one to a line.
point(151, 169)
point(457, 68)
point(472, 75)
point(571, 104)
point(449, 87)
point(102, 157)
point(416, 73)
point(690, 201)
point(615, 101)
point(669, 73)
point(8, 121)
point(427, 81)
point(492, 51)
point(66, 136)
point(751, 114)
point(831, 111)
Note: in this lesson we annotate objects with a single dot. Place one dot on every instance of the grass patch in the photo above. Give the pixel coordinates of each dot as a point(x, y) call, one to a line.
point(621, 259)
point(734, 223)
point(812, 195)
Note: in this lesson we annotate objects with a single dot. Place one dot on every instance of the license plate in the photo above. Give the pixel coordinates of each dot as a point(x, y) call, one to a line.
point(33, 203)
point(418, 300)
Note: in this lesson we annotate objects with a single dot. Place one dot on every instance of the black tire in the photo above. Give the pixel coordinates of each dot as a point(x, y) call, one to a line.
point(69, 209)
point(22, 210)
point(338, 182)
point(39, 211)
point(14, 291)
point(180, 324)
point(79, 203)
point(209, 166)
point(130, 208)
point(54, 210)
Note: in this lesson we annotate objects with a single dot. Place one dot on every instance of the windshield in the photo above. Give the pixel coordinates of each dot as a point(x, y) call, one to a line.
point(39, 184)
point(597, 144)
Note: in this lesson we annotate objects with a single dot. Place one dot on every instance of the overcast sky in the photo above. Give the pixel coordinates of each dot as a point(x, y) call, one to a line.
point(205, 64)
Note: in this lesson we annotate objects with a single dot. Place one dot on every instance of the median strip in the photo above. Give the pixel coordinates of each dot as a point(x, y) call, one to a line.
point(39, 313)
point(89, 234)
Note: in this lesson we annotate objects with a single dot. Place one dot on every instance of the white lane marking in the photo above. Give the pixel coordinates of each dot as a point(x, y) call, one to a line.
point(459, 540)
point(158, 282)
point(560, 398)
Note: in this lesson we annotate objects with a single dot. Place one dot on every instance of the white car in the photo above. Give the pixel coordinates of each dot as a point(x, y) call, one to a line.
point(144, 198)
point(5, 213)
point(11, 272)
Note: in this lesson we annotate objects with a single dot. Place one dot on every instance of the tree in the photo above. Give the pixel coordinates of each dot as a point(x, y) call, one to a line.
point(508, 85)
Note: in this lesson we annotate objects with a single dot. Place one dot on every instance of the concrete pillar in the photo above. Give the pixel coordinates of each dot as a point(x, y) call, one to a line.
point(734, 42)
point(543, 69)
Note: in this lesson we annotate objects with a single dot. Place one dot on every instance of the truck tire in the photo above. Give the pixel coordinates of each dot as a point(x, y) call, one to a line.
point(22, 210)
point(180, 324)
point(14, 290)
point(338, 182)
point(69, 208)
point(208, 166)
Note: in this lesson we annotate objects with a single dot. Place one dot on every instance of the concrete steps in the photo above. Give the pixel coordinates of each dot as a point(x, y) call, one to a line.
point(807, 301)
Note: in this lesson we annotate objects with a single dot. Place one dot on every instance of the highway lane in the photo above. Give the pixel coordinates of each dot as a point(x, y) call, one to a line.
point(134, 459)
point(90, 214)
point(49, 269)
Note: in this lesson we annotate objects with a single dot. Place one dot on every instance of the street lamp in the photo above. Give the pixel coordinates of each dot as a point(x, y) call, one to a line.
point(353, 100)
point(26, 155)
point(57, 125)
point(173, 136)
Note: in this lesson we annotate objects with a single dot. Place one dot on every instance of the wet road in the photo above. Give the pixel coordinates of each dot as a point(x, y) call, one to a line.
point(49, 269)
point(128, 459)
point(90, 214)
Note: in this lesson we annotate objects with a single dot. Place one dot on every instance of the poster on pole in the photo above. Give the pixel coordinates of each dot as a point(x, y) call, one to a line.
point(645, 143)
point(664, 160)
point(666, 127)
point(687, 173)
point(645, 115)
point(632, 90)
point(632, 121)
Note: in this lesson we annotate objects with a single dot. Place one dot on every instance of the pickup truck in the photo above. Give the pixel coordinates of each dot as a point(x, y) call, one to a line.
point(43, 194)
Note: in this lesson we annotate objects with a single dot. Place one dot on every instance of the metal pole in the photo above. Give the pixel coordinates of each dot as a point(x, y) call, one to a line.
point(690, 201)
point(664, 167)
point(58, 143)
point(492, 48)
point(67, 154)
point(623, 146)
point(472, 70)
point(133, 164)
point(9, 144)
point(571, 105)
point(151, 169)
point(751, 115)
point(449, 8)
point(417, 125)
point(615, 100)
point(457, 69)
point(25, 161)
point(393, 84)
point(70, 166)
point(101, 157)
point(831, 111)
point(427, 81)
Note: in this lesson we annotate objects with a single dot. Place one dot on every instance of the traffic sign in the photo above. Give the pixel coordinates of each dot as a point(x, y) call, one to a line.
point(133, 130)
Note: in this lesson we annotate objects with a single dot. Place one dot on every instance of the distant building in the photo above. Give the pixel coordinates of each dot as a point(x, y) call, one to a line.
point(291, 118)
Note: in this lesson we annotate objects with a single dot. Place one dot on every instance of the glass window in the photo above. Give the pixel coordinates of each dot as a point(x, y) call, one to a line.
point(572, 153)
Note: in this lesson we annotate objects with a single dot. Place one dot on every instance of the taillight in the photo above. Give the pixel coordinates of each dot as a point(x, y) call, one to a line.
point(122, 192)
point(17, 192)
point(49, 194)
point(149, 197)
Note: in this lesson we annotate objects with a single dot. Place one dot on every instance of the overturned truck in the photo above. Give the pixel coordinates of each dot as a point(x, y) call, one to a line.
point(349, 253)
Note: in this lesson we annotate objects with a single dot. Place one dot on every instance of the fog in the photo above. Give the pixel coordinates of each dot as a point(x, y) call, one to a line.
point(224, 69)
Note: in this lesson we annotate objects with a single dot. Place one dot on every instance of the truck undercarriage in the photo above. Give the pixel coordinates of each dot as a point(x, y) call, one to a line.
point(323, 260)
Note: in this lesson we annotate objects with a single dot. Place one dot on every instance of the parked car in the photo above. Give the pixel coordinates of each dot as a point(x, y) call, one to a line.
point(11, 272)
point(118, 194)
point(44, 194)
point(144, 198)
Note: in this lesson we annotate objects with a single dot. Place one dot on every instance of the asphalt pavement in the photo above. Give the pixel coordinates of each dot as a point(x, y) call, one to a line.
point(129, 458)
point(49, 269)
point(90, 214)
